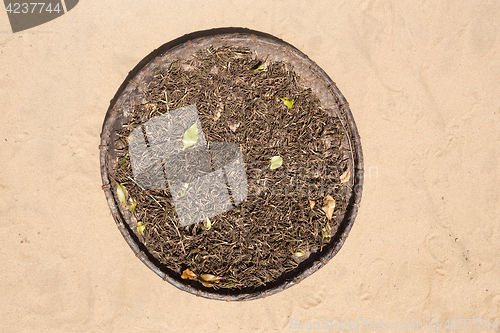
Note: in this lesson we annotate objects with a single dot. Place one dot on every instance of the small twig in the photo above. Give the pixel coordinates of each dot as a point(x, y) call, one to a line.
point(142, 188)
point(178, 233)
point(165, 101)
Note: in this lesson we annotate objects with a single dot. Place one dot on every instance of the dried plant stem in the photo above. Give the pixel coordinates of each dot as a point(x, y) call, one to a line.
point(142, 188)
point(179, 234)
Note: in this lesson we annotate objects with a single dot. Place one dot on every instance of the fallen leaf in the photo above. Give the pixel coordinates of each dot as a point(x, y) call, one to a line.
point(235, 126)
point(325, 234)
point(217, 116)
point(124, 160)
point(261, 67)
point(121, 191)
point(190, 137)
point(210, 278)
point(207, 284)
point(329, 206)
point(187, 274)
point(287, 102)
point(141, 228)
point(220, 109)
point(184, 190)
point(207, 224)
point(346, 176)
point(276, 162)
point(299, 253)
point(133, 204)
point(312, 203)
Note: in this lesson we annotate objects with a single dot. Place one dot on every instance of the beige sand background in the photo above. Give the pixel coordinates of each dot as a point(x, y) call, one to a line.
point(423, 81)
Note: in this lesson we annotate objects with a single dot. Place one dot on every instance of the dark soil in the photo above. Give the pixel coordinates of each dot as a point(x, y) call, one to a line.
point(238, 97)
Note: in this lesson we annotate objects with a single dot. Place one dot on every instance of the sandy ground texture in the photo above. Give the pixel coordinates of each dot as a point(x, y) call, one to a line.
point(422, 80)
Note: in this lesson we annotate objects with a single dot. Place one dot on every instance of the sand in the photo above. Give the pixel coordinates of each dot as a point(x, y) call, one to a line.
point(422, 80)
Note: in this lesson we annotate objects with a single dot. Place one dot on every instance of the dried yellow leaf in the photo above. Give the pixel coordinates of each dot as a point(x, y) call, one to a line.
point(187, 274)
point(234, 127)
point(312, 203)
point(329, 207)
point(344, 178)
point(217, 116)
point(210, 278)
point(207, 284)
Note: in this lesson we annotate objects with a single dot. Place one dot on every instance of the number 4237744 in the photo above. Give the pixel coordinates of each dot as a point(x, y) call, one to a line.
point(32, 8)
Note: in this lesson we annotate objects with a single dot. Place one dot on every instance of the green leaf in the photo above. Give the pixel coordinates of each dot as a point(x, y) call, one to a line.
point(190, 136)
point(276, 162)
point(133, 204)
point(299, 253)
point(124, 160)
point(184, 190)
point(141, 228)
point(325, 234)
point(287, 102)
point(207, 224)
point(262, 67)
point(121, 191)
